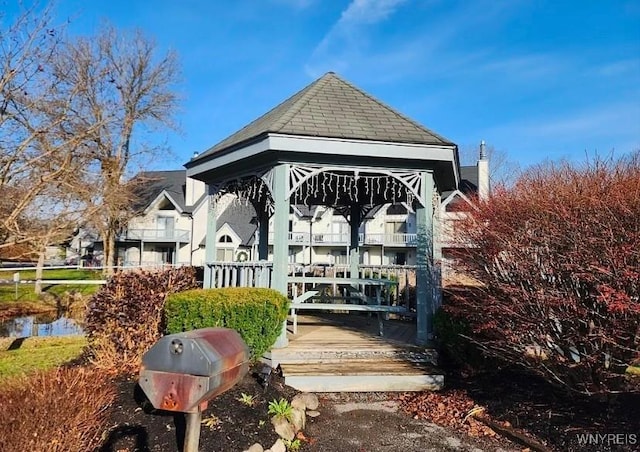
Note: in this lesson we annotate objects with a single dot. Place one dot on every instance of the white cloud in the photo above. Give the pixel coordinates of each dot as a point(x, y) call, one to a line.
point(368, 11)
point(348, 35)
point(354, 43)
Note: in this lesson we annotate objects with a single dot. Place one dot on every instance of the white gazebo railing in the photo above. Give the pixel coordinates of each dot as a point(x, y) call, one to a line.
point(259, 274)
point(240, 274)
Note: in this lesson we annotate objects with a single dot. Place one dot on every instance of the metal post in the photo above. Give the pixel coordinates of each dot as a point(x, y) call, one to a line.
point(192, 431)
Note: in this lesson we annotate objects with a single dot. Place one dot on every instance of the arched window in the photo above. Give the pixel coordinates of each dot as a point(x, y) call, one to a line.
point(225, 239)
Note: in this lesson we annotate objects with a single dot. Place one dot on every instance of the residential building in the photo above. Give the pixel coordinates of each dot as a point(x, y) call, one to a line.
point(171, 226)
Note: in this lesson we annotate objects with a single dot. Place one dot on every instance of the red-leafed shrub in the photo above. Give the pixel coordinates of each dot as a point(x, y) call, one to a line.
point(63, 409)
point(126, 316)
point(558, 256)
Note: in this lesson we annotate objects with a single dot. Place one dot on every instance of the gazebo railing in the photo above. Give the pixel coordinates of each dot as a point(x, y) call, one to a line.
point(259, 274)
point(240, 274)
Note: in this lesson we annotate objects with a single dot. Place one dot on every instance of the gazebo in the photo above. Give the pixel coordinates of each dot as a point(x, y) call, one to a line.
point(331, 144)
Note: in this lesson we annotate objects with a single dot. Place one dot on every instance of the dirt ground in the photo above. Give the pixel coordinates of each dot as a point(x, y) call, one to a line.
point(347, 422)
point(371, 422)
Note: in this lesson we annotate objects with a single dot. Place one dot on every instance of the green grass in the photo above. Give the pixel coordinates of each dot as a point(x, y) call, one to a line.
point(38, 353)
point(26, 291)
point(63, 273)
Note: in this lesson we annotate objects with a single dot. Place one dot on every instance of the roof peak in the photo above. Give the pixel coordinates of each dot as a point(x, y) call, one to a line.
point(334, 108)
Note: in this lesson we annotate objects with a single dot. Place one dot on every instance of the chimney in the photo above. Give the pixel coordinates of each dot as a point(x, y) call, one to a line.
point(483, 173)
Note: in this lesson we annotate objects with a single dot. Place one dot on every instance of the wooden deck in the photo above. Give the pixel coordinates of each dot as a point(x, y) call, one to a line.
point(343, 352)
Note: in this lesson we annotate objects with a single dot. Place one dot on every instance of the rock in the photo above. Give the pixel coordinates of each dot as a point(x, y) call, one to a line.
point(283, 428)
point(298, 403)
point(313, 413)
point(257, 447)
point(298, 418)
point(278, 446)
point(309, 399)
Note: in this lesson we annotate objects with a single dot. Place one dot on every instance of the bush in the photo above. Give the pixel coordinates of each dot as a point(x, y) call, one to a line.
point(60, 410)
point(257, 314)
point(125, 318)
point(558, 256)
point(453, 345)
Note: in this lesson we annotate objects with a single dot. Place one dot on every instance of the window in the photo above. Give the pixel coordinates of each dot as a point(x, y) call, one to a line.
point(395, 227)
point(340, 257)
point(225, 239)
point(224, 254)
point(166, 255)
point(166, 226)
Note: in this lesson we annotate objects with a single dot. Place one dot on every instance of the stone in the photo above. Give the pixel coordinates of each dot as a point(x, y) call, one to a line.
point(305, 400)
point(257, 447)
point(298, 403)
point(313, 413)
point(283, 428)
point(298, 418)
point(278, 446)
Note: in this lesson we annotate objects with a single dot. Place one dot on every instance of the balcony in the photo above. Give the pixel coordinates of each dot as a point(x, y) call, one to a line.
point(343, 239)
point(157, 235)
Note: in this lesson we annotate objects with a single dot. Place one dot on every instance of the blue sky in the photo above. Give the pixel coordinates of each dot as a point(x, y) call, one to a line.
point(536, 79)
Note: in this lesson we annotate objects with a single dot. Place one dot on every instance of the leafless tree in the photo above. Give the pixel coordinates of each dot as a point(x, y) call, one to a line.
point(502, 170)
point(39, 177)
point(125, 89)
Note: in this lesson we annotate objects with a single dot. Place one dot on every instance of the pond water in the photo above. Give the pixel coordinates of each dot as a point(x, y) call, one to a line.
point(41, 325)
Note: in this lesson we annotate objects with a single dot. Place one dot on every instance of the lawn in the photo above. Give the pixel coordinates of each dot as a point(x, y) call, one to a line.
point(56, 273)
point(23, 356)
point(26, 292)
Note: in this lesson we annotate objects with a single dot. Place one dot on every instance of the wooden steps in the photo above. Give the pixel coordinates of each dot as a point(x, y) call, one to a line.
point(362, 376)
point(344, 354)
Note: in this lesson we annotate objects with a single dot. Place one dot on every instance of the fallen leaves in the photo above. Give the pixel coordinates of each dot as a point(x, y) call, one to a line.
point(453, 408)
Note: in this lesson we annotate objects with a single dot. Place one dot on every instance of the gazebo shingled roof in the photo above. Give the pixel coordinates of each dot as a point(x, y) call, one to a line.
point(331, 107)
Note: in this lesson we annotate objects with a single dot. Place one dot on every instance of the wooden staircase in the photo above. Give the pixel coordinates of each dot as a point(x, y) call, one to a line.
point(345, 355)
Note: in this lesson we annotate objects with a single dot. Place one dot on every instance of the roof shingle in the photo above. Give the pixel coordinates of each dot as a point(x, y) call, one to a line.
point(333, 108)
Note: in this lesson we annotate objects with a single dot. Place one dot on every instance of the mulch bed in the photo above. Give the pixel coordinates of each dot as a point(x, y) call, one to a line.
point(136, 426)
point(531, 407)
point(511, 399)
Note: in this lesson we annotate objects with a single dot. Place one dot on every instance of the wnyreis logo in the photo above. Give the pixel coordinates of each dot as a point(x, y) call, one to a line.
point(607, 439)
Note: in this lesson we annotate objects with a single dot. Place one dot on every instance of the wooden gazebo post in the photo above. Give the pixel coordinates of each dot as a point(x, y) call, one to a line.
point(210, 239)
point(355, 218)
point(424, 255)
point(280, 238)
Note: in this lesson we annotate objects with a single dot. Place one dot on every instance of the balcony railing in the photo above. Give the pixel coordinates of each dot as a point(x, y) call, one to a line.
point(157, 235)
point(397, 239)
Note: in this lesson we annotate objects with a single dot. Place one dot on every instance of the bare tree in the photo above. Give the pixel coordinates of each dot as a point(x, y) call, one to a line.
point(502, 170)
point(39, 177)
point(125, 88)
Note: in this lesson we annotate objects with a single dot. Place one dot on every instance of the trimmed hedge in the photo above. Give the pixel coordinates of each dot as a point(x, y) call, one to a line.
point(257, 314)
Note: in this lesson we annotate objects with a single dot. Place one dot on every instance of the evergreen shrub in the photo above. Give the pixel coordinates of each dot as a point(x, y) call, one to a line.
point(256, 314)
